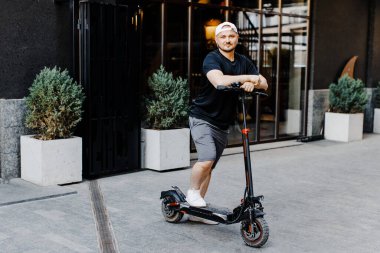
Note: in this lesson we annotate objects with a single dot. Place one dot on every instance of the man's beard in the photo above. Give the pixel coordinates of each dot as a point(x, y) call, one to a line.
point(226, 50)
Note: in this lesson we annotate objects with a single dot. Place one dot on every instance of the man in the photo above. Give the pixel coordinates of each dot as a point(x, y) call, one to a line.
point(212, 111)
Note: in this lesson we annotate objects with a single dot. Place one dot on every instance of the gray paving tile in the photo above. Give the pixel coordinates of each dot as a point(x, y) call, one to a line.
point(319, 197)
point(314, 192)
point(19, 191)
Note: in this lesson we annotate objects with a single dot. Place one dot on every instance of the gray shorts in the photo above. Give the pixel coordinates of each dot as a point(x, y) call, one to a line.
point(209, 140)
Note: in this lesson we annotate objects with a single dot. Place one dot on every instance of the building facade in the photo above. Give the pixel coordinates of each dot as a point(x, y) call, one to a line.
point(112, 46)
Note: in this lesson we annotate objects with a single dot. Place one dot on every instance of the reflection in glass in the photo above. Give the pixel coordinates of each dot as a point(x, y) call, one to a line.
point(248, 25)
point(298, 7)
point(209, 29)
point(292, 75)
point(218, 2)
point(205, 21)
point(270, 6)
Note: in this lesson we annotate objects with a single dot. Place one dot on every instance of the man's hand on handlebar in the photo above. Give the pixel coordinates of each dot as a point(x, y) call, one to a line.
point(238, 87)
point(248, 86)
point(259, 81)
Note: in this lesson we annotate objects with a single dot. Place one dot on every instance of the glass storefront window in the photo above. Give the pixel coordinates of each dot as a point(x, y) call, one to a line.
point(177, 40)
point(269, 71)
point(277, 116)
point(175, 58)
point(292, 75)
point(254, 4)
point(204, 23)
point(151, 39)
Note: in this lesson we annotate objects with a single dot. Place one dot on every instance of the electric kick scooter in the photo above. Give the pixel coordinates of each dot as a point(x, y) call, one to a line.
point(254, 229)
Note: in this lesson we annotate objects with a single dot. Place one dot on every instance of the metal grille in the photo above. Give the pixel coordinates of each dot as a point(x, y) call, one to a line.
point(106, 237)
point(109, 72)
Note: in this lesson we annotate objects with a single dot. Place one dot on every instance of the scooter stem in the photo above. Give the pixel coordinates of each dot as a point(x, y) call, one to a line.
point(247, 153)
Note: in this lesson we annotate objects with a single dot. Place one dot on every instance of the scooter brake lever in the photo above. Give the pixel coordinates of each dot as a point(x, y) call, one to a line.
point(260, 93)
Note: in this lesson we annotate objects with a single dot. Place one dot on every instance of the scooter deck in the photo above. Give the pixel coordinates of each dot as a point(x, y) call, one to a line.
point(211, 212)
point(213, 209)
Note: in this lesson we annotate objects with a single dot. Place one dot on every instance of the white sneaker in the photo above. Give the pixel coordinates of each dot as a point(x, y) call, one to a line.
point(198, 219)
point(194, 198)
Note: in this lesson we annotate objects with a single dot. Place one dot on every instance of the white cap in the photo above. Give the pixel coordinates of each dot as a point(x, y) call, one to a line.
point(225, 26)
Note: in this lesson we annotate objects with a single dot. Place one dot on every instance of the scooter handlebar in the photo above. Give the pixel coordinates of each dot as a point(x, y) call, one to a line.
point(236, 87)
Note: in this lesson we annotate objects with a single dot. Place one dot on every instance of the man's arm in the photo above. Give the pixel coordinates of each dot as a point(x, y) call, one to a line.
point(262, 83)
point(216, 77)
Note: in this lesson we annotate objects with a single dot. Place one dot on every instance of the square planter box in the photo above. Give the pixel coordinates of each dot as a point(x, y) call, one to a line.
point(376, 121)
point(344, 127)
point(51, 162)
point(165, 149)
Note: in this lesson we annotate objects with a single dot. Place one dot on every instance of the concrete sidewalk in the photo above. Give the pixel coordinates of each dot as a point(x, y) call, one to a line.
point(319, 197)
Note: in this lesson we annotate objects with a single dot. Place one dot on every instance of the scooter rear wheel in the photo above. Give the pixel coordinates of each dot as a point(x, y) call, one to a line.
point(169, 213)
point(255, 234)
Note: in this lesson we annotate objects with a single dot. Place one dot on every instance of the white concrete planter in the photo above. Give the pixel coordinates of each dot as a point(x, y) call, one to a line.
point(51, 162)
point(165, 149)
point(376, 121)
point(344, 127)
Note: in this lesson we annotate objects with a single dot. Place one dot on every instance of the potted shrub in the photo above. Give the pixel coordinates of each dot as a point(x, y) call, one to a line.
point(376, 116)
point(344, 121)
point(166, 137)
point(53, 109)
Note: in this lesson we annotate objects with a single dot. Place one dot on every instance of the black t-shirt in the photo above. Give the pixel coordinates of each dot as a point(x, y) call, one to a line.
point(215, 106)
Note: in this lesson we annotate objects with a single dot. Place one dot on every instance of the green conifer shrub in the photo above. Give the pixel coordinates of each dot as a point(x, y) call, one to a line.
point(347, 96)
point(54, 104)
point(167, 104)
point(377, 96)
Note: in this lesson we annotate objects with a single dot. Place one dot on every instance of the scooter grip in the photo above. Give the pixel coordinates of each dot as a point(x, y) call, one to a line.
point(236, 87)
point(233, 86)
point(222, 87)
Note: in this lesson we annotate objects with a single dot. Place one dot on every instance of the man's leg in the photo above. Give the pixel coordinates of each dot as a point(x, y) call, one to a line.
point(220, 144)
point(204, 185)
point(199, 174)
point(200, 178)
point(204, 136)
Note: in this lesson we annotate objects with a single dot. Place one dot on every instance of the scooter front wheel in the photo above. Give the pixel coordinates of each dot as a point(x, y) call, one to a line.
point(255, 234)
point(170, 214)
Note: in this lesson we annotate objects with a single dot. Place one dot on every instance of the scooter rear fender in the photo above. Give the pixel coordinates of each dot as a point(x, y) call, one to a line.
point(172, 193)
